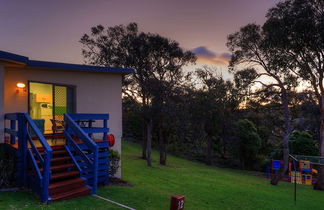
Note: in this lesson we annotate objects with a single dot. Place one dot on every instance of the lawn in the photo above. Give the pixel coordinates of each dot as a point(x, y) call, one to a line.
point(204, 187)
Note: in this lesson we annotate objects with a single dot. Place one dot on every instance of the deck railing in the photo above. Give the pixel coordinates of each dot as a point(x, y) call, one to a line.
point(28, 153)
point(34, 167)
point(35, 157)
point(74, 132)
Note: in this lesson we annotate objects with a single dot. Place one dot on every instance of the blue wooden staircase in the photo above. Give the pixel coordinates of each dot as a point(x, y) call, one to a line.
point(66, 171)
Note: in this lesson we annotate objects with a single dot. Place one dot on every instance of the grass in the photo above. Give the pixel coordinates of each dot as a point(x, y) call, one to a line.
point(204, 187)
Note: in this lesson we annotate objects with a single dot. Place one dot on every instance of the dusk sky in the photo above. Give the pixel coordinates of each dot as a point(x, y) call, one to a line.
point(51, 30)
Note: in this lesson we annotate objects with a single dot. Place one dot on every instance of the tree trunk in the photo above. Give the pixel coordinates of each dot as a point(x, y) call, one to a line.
point(283, 169)
point(285, 106)
point(209, 152)
point(242, 161)
point(149, 142)
point(319, 185)
point(144, 129)
point(162, 146)
point(144, 141)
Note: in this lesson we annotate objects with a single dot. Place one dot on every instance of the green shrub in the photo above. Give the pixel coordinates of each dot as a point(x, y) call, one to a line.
point(249, 143)
point(114, 158)
point(302, 143)
point(7, 168)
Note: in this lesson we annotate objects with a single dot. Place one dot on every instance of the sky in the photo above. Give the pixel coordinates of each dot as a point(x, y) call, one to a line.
point(50, 30)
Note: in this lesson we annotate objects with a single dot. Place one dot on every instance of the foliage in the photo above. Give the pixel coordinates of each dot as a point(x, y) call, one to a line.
point(7, 168)
point(157, 62)
point(114, 160)
point(249, 143)
point(302, 143)
point(294, 28)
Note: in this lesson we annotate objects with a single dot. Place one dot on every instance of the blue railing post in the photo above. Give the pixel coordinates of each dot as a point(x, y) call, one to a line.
point(105, 125)
point(46, 176)
point(73, 128)
point(95, 170)
point(22, 146)
point(12, 127)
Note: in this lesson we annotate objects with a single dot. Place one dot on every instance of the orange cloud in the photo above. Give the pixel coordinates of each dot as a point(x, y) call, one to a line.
point(206, 56)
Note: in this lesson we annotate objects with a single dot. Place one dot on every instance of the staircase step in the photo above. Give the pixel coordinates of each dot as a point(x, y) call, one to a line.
point(64, 175)
point(61, 167)
point(78, 192)
point(60, 159)
point(55, 168)
point(56, 153)
point(59, 147)
point(66, 185)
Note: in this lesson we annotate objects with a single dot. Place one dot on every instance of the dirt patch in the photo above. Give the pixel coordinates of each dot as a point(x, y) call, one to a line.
point(119, 182)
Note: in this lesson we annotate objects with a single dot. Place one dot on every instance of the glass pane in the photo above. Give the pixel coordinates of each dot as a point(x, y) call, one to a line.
point(60, 101)
point(41, 105)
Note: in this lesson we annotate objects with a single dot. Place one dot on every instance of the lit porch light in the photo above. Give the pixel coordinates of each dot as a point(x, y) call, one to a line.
point(21, 85)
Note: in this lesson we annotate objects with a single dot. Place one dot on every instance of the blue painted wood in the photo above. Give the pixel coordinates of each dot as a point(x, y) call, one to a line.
point(45, 162)
point(38, 133)
point(35, 150)
point(39, 181)
point(95, 130)
point(11, 116)
point(11, 132)
point(73, 159)
point(22, 145)
point(34, 164)
point(13, 128)
point(105, 125)
point(46, 175)
point(77, 148)
point(85, 116)
point(91, 160)
point(72, 128)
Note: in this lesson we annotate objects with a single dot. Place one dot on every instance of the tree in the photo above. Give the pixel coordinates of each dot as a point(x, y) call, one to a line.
point(251, 49)
point(167, 60)
point(295, 28)
point(217, 99)
point(249, 142)
point(157, 62)
point(302, 143)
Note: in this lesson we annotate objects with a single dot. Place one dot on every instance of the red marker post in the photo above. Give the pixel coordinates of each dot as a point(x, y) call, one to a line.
point(177, 202)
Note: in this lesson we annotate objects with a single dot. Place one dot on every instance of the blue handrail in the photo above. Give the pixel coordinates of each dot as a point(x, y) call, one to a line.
point(24, 138)
point(72, 128)
point(45, 162)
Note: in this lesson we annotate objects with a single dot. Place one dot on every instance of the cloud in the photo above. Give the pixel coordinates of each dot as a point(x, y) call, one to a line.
point(207, 56)
point(203, 52)
point(226, 55)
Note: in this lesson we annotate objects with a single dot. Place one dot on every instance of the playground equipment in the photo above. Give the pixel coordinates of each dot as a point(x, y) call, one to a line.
point(304, 175)
point(300, 170)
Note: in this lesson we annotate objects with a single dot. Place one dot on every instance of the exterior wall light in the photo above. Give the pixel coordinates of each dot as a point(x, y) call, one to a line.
point(21, 87)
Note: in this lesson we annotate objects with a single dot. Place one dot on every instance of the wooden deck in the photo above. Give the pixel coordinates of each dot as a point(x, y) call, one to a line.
point(51, 140)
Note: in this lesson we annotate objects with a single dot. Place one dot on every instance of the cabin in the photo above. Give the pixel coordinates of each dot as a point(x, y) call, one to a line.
point(58, 118)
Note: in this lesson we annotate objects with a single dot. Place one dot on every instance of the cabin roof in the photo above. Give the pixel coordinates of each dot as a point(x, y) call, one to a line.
point(25, 61)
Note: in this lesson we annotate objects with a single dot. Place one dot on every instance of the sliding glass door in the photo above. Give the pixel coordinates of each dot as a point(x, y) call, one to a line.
point(48, 103)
